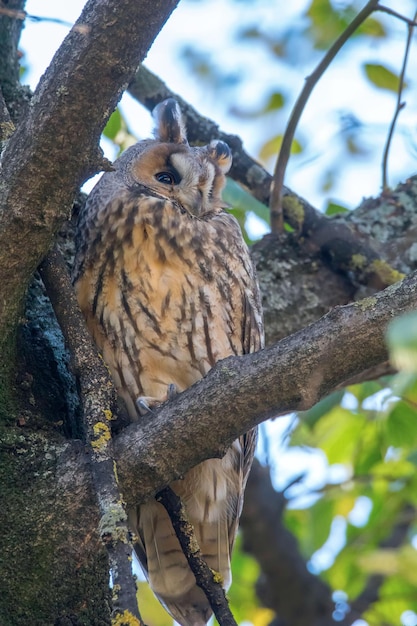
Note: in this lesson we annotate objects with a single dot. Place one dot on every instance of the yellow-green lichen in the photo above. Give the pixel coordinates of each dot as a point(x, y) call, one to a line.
point(366, 303)
point(102, 435)
point(116, 476)
point(6, 130)
point(294, 210)
point(112, 524)
point(125, 619)
point(358, 262)
point(217, 577)
point(108, 415)
point(386, 273)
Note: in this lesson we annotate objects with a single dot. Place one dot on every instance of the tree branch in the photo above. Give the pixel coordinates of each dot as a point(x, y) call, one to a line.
point(10, 30)
point(399, 107)
point(275, 202)
point(99, 402)
point(6, 125)
point(289, 376)
point(55, 146)
point(389, 11)
point(205, 577)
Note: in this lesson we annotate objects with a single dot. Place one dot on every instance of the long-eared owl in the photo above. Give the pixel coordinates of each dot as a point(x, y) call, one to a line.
point(167, 287)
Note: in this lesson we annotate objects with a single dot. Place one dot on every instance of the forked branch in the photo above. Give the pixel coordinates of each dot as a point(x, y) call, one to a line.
point(275, 202)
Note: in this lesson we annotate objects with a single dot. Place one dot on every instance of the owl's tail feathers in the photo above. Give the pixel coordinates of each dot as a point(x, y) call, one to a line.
point(167, 570)
point(191, 610)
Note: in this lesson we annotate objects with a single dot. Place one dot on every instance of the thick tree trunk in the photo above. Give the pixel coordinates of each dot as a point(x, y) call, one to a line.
point(54, 569)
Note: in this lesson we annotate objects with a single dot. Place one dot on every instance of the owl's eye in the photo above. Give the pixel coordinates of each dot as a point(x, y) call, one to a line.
point(167, 178)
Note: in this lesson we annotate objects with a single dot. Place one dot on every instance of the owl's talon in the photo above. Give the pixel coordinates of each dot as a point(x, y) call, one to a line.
point(172, 391)
point(143, 406)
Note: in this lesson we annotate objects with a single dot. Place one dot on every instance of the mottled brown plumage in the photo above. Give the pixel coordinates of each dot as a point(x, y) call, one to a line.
point(167, 287)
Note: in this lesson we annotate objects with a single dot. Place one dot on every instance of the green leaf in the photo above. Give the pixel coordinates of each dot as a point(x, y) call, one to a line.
point(345, 573)
point(114, 125)
point(333, 208)
point(240, 199)
point(319, 521)
point(275, 101)
point(243, 600)
point(381, 77)
point(369, 449)
point(273, 146)
point(388, 561)
point(317, 411)
point(338, 433)
point(151, 609)
point(394, 470)
point(326, 24)
point(373, 28)
point(365, 390)
point(402, 425)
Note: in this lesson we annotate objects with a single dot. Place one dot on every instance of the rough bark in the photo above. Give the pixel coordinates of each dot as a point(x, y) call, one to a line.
point(54, 568)
point(54, 148)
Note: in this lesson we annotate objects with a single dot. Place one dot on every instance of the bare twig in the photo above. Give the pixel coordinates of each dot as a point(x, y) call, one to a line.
point(205, 577)
point(23, 15)
point(400, 105)
point(275, 203)
point(99, 399)
point(384, 9)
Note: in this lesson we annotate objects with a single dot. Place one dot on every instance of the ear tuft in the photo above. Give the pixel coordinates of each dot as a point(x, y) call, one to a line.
point(170, 127)
point(221, 154)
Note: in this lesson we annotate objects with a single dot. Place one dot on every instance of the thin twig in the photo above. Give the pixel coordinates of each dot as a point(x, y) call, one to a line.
point(203, 574)
point(400, 105)
point(384, 9)
point(22, 15)
point(275, 205)
point(98, 396)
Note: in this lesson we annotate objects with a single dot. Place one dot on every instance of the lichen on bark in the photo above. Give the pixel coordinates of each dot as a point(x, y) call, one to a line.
point(65, 567)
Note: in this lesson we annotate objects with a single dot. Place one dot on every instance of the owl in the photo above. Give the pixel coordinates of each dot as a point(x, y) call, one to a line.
point(167, 287)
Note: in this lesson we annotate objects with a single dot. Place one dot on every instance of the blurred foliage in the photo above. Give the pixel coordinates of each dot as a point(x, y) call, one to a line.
point(371, 431)
point(382, 77)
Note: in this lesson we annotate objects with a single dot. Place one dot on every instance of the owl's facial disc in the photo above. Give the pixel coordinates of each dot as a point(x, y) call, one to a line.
point(189, 176)
point(195, 190)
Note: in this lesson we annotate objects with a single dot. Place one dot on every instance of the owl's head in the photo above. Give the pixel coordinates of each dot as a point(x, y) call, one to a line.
point(192, 176)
